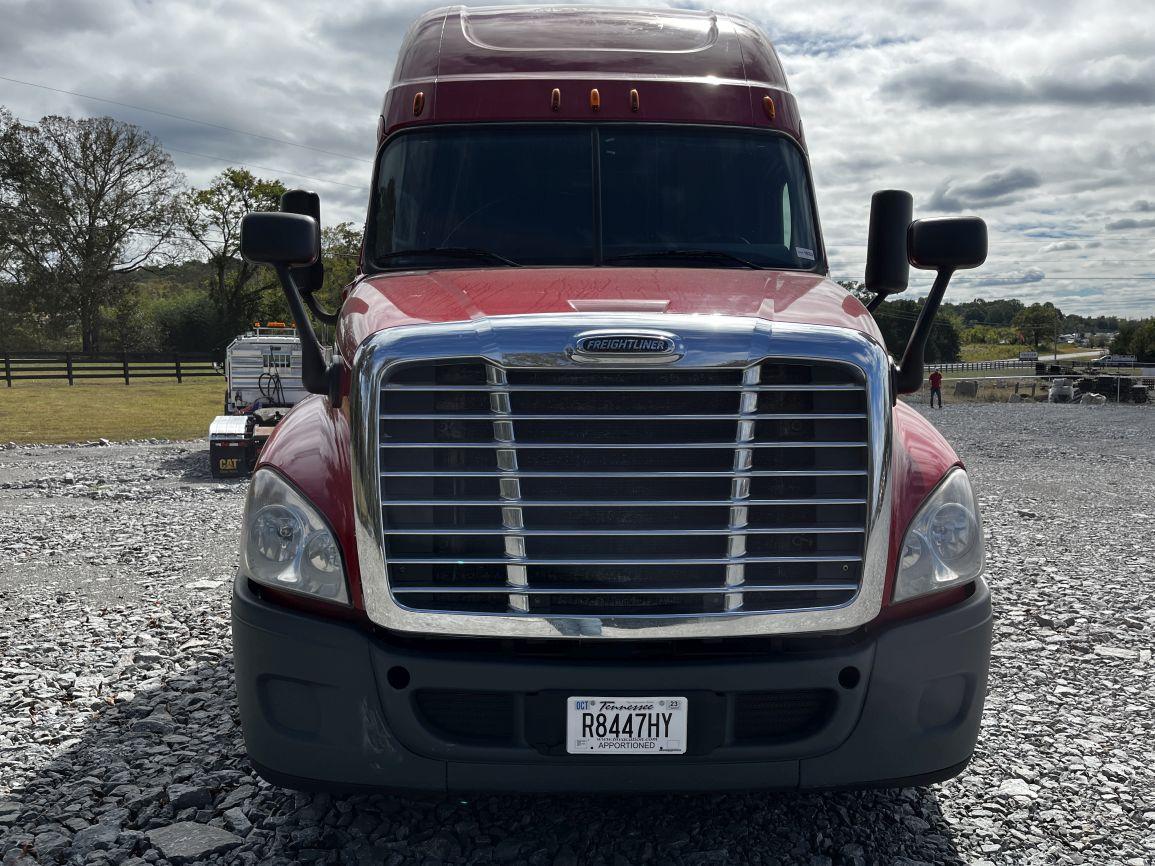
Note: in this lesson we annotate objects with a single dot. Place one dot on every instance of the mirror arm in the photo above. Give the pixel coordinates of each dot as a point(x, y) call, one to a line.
point(317, 310)
point(875, 302)
point(317, 376)
point(908, 377)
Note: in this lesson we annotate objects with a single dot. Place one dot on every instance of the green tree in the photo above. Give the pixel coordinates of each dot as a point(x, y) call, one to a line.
point(1082, 324)
point(1039, 323)
point(82, 203)
point(341, 252)
point(1143, 342)
point(213, 221)
point(896, 320)
point(1121, 342)
point(131, 323)
point(986, 334)
point(982, 312)
point(185, 322)
point(1135, 337)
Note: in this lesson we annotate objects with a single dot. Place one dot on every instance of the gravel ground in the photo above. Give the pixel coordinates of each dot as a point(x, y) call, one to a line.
point(119, 740)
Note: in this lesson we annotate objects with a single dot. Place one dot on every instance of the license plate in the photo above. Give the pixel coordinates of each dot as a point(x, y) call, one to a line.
point(626, 726)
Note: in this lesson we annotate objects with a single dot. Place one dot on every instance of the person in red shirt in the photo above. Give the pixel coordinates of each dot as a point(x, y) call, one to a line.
point(936, 388)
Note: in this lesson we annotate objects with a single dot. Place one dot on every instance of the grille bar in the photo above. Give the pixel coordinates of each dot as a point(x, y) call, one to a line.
point(702, 389)
point(512, 517)
point(598, 503)
point(767, 473)
point(736, 589)
point(749, 530)
point(740, 488)
point(765, 416)
point(725, 560)
point(647, 446)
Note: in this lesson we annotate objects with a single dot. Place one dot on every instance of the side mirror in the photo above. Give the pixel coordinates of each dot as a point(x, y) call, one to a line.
point(284, 239)
point(954, 243)
point(887, 263)
point(288, 241)
point(944, 245)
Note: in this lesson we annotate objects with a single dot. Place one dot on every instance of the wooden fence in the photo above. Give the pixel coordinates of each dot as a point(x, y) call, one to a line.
point(73, 366)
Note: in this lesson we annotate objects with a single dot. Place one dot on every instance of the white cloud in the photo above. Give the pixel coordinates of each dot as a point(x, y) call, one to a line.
point(1018, 278)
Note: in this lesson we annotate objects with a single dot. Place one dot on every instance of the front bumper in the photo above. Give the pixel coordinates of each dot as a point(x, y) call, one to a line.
point(328, 705)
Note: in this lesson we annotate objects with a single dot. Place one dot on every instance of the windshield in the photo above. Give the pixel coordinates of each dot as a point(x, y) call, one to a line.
point(580, 195)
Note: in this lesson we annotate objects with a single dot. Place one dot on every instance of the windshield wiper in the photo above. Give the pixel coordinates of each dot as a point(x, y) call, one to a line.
point(451, 253)
point(717, 255)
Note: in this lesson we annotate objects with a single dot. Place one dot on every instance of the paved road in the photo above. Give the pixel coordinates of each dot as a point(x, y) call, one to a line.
point(1049, 356)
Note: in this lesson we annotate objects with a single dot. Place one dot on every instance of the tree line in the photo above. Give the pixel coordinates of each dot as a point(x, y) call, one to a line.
point(1136, 338)
point(105, 247)
point(1007, 321)
point(1041, 324)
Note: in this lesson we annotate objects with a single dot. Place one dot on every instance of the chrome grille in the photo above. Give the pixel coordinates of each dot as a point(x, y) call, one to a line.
point(623, 492)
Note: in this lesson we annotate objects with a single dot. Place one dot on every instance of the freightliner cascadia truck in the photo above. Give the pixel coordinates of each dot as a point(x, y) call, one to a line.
point(606, 486)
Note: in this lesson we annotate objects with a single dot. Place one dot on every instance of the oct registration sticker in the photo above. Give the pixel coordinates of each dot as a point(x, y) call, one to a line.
point(626, 726)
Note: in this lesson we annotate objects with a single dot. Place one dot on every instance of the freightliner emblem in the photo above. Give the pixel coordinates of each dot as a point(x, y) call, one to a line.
point(643, 346)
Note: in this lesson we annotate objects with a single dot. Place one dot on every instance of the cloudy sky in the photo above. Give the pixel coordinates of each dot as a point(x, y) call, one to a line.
point(1038, 116)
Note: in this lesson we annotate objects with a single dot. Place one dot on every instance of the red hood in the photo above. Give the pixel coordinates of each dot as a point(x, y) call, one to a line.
point(386, 301)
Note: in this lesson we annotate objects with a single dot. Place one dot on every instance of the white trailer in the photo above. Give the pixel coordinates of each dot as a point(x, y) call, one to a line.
point(263, 381)
point(263, 371)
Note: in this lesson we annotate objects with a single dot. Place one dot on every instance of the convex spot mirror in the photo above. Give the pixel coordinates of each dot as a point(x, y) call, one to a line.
point(311, 279)
point(948, 243)
point(270, 238)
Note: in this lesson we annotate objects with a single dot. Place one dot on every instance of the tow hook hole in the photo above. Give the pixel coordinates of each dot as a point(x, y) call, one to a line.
point(398, 677)
point(847, 677)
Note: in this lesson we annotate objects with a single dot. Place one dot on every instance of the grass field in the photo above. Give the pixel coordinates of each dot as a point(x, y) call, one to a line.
point(999, 351)
point(51, 411)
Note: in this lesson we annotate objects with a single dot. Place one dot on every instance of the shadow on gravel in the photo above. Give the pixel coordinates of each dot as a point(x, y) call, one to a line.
point(193, 467)
point(190, 465)
point(173, 753)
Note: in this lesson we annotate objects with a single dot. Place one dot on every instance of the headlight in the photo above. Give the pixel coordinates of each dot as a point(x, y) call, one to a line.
point(286, 543)
point(944, 545)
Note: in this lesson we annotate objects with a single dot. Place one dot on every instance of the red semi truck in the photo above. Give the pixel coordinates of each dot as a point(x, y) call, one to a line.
point(607, 486)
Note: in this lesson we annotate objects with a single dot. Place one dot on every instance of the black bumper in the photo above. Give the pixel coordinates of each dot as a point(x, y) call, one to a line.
point(327, 705)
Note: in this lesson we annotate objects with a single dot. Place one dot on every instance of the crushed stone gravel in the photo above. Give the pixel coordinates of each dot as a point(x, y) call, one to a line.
point(120, 743)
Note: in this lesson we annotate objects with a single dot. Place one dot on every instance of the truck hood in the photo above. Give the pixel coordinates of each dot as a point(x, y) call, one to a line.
point(416, 298)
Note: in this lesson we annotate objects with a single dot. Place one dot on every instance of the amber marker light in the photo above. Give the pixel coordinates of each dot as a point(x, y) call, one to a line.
point(595, 100)
point(555, 99)
point(418, 103)
point(768, 104)
point(635, 101)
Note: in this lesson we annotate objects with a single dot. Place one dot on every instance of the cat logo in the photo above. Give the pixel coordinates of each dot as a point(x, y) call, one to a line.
point(228, 464)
